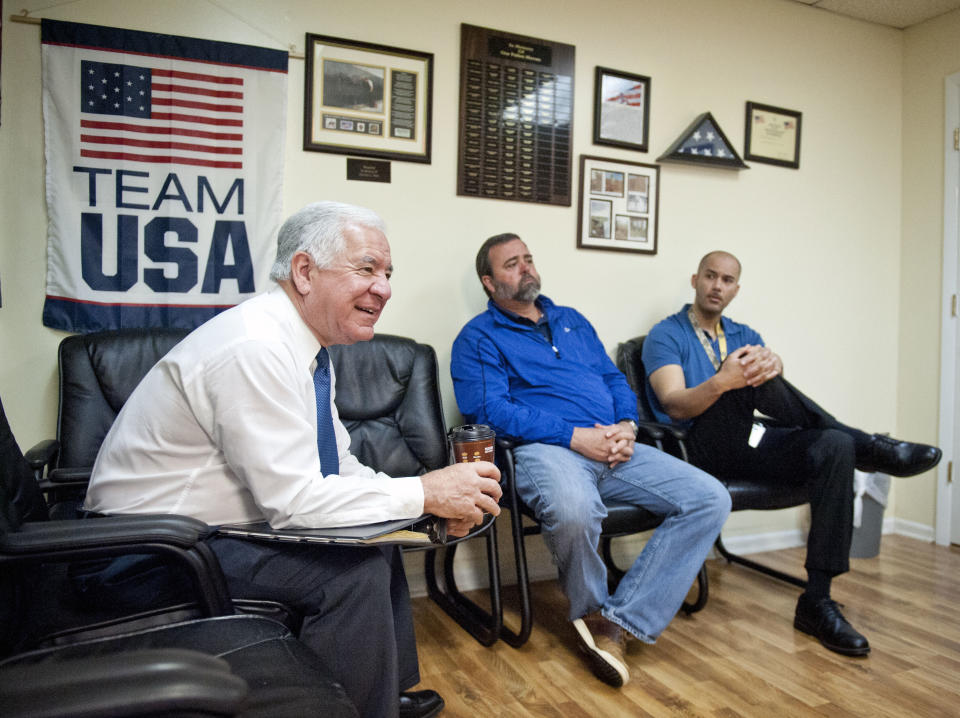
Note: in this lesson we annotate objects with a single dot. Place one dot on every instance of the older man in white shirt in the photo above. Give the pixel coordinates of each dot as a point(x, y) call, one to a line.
point(225, 428)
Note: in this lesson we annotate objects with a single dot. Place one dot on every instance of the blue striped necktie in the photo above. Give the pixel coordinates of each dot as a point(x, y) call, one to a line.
point(326, 438)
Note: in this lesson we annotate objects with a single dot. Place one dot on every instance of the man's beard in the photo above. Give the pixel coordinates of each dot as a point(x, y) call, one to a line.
point(525, 292)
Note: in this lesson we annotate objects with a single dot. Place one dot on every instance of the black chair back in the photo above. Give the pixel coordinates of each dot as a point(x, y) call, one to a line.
point(629, 360)
point(388, 397)
point(98, 372)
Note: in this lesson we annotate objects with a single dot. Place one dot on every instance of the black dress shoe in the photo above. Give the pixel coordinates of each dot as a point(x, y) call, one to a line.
point(821, 618)
point(897, 458)
point(420, 704)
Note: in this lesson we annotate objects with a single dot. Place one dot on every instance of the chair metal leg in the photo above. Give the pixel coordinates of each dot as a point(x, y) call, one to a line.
point(774, 573)
point(614, 573)
point(483, 625)
point(510, 637)
point(703, 593)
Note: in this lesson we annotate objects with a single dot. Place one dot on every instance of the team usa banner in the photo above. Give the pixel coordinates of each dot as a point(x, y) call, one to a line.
point(164, 175)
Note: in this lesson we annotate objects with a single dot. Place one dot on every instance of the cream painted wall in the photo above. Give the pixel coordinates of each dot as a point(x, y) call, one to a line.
point(820, 246)
point(931, 53)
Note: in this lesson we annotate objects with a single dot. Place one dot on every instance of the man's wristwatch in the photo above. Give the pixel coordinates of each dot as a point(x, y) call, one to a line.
point(633, 425)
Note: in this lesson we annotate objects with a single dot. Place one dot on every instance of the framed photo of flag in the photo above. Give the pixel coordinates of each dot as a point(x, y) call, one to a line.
point(367, 100)
point(772, 135)
point(621, 109)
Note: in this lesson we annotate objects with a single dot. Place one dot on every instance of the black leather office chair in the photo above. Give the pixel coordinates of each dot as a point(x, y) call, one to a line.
point(622, 519)
point(98, 372)
point(388, 397)
point(266, 671)
point(745, 493)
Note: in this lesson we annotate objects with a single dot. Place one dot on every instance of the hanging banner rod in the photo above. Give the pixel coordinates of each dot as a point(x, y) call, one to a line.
point(26, 19)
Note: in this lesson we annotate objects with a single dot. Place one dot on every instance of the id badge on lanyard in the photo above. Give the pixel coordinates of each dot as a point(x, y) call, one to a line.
point(705, 342)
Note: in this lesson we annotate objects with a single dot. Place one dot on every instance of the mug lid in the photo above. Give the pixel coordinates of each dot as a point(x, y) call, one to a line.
point(472, 432)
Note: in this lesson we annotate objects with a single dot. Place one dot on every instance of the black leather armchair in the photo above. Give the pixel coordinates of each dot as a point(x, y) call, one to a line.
point(388, 397)
point(265, 670)
point(745, 493)
point(98, 372)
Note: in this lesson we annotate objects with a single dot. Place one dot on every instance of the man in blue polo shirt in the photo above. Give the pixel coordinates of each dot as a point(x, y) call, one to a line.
point(537, 372)
point(709, 373)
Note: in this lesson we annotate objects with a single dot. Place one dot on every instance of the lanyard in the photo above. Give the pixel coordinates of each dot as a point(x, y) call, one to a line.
point(707, 346)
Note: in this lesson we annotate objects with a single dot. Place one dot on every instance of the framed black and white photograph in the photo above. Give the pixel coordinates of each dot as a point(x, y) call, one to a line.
point(367, 100)
point(621, 109)
point(772, 135)
point(619, 203)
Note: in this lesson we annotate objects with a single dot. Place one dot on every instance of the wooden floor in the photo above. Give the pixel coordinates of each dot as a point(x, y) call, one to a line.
point(740, 656)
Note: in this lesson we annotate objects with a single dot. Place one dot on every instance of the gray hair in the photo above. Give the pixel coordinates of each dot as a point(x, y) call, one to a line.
point(317, 229)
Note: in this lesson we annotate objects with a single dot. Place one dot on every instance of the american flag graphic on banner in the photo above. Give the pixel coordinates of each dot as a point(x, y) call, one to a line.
point(175, 117)
point(164, 175)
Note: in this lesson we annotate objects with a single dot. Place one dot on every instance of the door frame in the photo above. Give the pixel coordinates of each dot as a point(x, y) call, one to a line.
point(948, 323)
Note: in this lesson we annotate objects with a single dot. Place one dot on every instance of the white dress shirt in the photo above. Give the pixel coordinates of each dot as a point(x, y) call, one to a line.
point(224, 428)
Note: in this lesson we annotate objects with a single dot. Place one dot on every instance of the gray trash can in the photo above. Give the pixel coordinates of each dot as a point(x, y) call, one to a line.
point(870, 499)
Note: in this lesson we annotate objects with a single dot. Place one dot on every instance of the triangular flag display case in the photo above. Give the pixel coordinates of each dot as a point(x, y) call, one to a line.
point(704, 143)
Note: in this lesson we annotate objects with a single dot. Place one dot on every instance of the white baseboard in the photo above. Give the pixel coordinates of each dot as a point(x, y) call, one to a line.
point(768, 541)
point(911, 529)
point(470, 567)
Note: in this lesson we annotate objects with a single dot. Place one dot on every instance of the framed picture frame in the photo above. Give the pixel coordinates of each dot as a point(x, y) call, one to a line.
point(619, 205)
point(621, 109)
point(367, 100)
point(772, 135)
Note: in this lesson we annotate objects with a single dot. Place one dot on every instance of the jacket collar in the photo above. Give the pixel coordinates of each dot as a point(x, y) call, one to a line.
point(508, 318)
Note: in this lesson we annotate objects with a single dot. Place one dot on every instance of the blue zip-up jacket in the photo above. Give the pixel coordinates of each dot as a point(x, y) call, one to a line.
point(508, 376)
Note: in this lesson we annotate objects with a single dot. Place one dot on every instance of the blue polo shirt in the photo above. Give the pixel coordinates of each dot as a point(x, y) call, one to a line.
point(673, 341)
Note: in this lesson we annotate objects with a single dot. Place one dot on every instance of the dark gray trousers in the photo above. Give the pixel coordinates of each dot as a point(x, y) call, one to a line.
point(811, 447)
point(355, 607)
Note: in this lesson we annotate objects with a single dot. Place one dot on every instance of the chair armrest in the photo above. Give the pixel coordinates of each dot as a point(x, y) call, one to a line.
point(71, 474)
point(79, 485)
point(504, 460)
point(179, 538)
point(96, 537)
point(650, 430)
point(677, 432)
point(144, 682)
point(42, 454)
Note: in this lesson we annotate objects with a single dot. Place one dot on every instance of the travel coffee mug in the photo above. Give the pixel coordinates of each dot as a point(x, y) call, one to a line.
point(472, 442)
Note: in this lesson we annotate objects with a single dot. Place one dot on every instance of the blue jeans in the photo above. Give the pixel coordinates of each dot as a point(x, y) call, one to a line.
point(565, 491)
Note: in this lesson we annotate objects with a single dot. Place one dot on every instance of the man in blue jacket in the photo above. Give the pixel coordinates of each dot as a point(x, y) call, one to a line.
point(537, 372)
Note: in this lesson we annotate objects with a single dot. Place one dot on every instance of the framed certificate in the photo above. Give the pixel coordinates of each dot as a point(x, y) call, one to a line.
point(772, 135)
point(367, 100)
